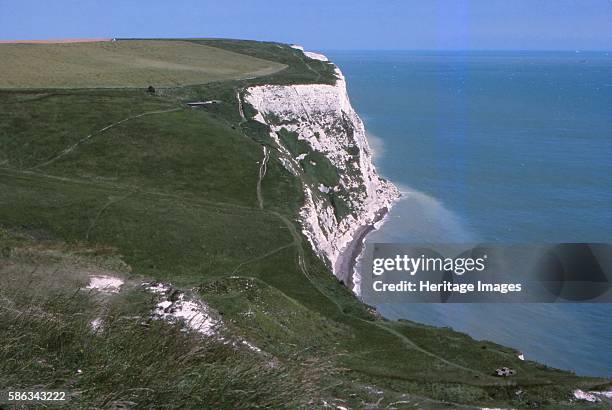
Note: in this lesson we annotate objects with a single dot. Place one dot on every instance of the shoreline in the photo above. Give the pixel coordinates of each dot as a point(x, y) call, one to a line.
point(347, 259)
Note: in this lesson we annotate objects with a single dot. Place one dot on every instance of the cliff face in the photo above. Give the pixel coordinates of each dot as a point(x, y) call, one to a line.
point(321, 139)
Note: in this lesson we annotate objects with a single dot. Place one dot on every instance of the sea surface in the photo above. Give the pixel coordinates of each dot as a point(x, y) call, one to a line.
point(506, 147)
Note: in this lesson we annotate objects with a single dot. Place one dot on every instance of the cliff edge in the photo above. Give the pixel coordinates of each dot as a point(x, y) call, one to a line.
point(322, 140)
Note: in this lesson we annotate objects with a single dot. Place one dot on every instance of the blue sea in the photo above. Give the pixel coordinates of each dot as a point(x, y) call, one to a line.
point(506, 147)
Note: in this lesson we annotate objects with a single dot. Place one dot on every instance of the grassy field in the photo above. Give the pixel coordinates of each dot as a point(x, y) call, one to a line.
point(141, 187)
point(133, 361)
point(124, 64)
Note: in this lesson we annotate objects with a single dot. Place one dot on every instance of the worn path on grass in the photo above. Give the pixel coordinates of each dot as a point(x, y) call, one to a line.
point(301, 261)
point(100, 131)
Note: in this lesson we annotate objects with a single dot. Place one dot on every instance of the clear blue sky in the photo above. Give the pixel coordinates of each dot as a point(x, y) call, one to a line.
point(326, 24)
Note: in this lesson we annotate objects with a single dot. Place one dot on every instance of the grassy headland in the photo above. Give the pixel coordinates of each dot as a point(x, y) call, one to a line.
point(139, 185)
point(135, 63)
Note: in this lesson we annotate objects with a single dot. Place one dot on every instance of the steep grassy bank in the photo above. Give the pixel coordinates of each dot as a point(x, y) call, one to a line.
point(148, 189)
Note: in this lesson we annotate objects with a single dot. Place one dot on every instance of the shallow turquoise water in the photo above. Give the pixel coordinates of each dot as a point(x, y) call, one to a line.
point(496, 147)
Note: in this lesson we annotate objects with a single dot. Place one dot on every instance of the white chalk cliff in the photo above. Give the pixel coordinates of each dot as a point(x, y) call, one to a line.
point(322, 116)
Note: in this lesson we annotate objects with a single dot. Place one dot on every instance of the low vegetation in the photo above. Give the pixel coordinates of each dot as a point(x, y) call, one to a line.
point(131, 360)
point(142, 186)
point(124, 63)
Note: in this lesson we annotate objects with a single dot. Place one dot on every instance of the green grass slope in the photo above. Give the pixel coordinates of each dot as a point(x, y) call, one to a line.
point(146, 188)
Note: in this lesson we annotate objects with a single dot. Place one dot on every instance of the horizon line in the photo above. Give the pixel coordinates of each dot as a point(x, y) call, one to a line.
point(106, 39)
point(568, 50)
